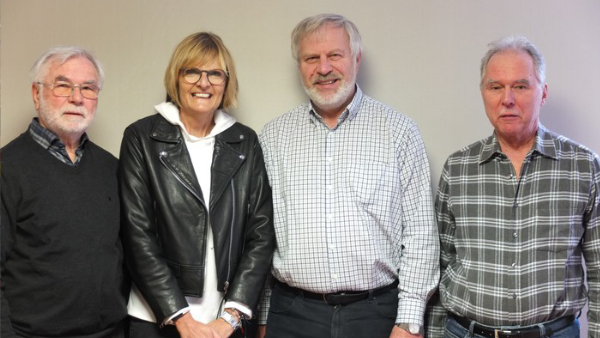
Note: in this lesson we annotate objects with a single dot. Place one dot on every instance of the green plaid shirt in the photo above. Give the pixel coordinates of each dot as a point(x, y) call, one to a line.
point(512, 249)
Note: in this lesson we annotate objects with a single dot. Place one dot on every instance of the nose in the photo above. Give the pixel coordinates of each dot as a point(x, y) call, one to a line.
point(324, 66)
point(203, 81)
point(508, 98)
point(76, 97)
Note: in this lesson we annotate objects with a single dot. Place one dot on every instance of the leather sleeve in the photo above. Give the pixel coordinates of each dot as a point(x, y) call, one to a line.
point(259, 244)
point(144, 257)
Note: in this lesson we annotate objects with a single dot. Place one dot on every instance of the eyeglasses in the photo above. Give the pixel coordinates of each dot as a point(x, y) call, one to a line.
point(64, 89)
point(193, 75)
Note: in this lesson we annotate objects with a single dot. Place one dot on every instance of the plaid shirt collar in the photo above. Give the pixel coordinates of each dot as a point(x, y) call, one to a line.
point(544, 145)
point(51, 142)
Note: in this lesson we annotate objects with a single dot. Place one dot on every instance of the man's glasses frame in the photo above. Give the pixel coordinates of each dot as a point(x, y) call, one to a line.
point(66, 89)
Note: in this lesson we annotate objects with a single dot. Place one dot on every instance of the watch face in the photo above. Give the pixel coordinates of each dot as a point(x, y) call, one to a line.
point(414, 328)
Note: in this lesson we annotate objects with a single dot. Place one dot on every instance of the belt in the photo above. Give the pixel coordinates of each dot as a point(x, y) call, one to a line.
point(342, 297)
point(532, 331)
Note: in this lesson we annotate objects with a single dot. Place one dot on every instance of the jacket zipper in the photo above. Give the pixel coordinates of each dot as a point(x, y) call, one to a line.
point(230, 236)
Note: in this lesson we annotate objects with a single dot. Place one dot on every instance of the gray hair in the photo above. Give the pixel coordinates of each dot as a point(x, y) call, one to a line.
point(61, 55)
point(314, 23)
point(516, 43)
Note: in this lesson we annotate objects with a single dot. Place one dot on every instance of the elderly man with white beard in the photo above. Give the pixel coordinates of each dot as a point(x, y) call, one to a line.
point(357, 244)
point(62, 261)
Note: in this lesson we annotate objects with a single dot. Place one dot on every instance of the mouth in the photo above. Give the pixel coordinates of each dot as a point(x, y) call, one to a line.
point(73, 113)
point(202, 95)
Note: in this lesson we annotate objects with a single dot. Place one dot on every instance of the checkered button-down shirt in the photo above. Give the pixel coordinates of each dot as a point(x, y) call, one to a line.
point(352, 205)
point(513, 248)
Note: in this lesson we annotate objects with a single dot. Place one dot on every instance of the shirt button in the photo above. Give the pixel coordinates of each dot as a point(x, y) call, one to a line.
point(334, 276)
point(329, 187)
point(513, 265)
point(514, 296)
point(514, 234)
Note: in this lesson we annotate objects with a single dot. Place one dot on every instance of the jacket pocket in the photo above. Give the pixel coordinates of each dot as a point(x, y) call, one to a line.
point(189, 278)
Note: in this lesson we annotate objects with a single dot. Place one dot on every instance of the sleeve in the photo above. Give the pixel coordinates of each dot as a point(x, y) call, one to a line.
point(10, 200)
point(436, 313)
point(265, 297)
point(259, 243)
point(591, 252)
point(265, 301)
point(144, 258)
point(419, 249)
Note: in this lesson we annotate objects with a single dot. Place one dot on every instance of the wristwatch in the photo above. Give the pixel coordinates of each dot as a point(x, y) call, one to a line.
point(410, 328)
point(231, 320)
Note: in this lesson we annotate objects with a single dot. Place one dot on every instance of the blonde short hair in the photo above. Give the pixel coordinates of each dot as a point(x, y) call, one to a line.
point(203, 48)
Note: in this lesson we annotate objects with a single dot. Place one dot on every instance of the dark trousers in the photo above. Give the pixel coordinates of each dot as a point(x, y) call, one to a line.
point(293, 316)
point(142, 329)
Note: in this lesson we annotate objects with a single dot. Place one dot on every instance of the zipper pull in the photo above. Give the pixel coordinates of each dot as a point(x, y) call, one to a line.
point(226, 287)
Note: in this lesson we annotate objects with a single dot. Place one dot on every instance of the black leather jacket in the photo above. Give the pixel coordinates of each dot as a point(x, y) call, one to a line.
point(165, 218)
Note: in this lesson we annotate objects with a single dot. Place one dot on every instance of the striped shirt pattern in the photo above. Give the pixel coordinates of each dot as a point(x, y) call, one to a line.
point(353, 208)
point(513, 248)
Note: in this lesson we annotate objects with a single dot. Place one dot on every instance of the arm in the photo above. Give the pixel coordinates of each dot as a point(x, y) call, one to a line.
point(7, 221)
point(436, 313)
point(144, 258)
point(591, 252)
point(419, 264)
point(255, 261)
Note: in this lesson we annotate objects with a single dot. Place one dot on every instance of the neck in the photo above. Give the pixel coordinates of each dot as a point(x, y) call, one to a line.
point(516, 150)
point(198, 126)
point(71, 142)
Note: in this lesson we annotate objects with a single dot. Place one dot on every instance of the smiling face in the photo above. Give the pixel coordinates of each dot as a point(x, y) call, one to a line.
point(71, 115)
point(512, 96)
point(328, 68)
point(201, 99)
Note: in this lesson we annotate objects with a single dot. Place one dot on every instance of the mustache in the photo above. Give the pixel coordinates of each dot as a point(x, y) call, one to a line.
point(74, 109)
point(321, 78)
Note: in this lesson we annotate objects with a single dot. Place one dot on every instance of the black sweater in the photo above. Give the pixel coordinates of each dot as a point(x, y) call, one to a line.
point(62, 271)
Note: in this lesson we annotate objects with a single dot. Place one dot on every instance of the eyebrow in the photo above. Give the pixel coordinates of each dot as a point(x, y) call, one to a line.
point(66, 79)
point(521, 81)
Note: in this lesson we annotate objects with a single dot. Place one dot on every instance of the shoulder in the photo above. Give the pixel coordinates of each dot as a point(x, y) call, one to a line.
point(146, 123)
point(289, 120)
point(398, 121)
point(239, 132)
point(567, 148)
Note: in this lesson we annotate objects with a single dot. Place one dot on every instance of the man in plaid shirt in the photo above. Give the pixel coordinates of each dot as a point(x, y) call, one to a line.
point(518, 213)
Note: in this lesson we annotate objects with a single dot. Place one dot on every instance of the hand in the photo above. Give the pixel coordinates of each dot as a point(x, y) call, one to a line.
point(261, 331)
point(221, 327)
point(401, 333)
point(188, 327)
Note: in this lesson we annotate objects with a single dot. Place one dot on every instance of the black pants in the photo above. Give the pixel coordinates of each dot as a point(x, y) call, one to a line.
point(142, 329)
point(293, 316)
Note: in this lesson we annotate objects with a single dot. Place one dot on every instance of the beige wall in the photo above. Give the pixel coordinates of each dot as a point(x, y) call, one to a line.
point(421, 57)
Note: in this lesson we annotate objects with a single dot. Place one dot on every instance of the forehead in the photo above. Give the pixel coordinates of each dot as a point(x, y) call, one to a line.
point(326, 37)
point(510, 64)
point(77, 70)
point(206, 64)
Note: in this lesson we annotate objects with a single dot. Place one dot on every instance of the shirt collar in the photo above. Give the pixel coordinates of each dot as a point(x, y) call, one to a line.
point(543, 144)
point(349, 112)
point(46, 138)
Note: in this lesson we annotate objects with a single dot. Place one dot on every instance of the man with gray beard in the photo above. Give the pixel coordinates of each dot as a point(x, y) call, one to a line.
point(357, 244)
point(62, 264)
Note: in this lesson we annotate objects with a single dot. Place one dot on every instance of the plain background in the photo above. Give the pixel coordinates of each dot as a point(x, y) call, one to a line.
point(421, 58)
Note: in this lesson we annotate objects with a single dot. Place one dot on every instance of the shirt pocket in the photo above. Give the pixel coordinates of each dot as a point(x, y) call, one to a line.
point(370, 182)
